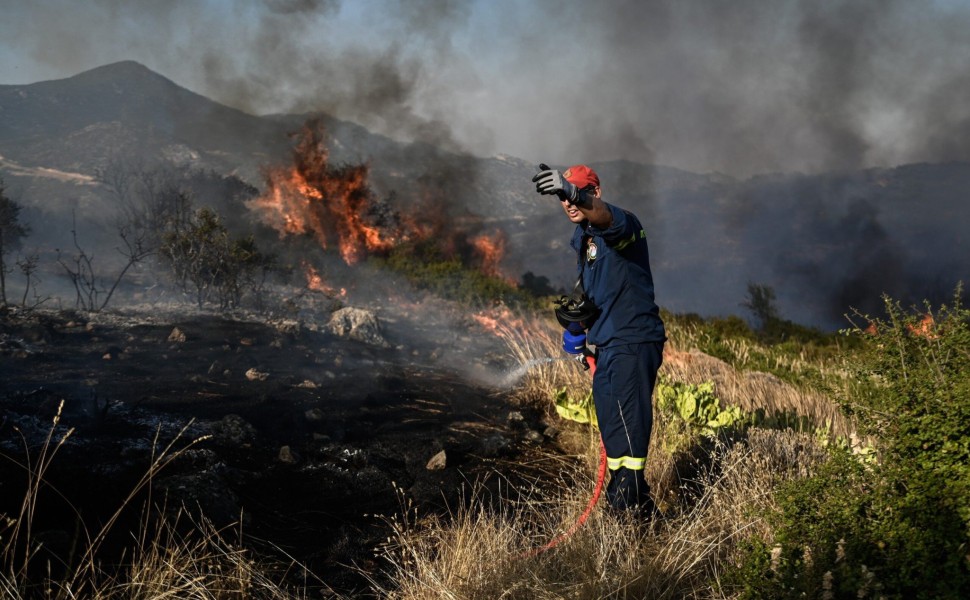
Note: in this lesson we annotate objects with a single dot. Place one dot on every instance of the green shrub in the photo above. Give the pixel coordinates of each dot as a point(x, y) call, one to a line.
point(208, 263)
point(897, 526)
point(427, 267)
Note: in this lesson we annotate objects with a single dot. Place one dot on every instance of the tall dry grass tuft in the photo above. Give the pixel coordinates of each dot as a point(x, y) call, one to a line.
point(544, 368)
point(482, 552)
point(817, 373)
point(201, 564)
point(19, 547)
point(542, 365)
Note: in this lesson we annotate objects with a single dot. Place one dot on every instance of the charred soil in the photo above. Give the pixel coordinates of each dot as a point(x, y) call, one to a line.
point(307, 434)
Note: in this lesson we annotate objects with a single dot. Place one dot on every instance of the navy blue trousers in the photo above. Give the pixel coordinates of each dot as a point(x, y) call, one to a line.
point(623, 395)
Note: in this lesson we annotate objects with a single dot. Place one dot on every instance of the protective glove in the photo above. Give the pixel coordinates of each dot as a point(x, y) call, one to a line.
point(551, 181)
point(574, 339)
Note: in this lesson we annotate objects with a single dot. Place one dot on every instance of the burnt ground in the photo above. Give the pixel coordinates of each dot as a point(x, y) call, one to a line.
point(304, 449)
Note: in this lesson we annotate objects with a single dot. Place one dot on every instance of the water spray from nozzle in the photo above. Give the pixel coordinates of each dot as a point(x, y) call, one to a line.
point(517, 373)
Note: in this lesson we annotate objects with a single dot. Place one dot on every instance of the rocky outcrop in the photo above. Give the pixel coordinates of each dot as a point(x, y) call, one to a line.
point(357, 324)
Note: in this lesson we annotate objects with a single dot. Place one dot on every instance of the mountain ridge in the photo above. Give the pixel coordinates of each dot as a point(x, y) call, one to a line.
point(824, 241)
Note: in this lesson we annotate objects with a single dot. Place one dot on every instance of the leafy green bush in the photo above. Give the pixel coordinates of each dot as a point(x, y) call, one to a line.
point(206, 261)
point(429, 268)
point(897, 526)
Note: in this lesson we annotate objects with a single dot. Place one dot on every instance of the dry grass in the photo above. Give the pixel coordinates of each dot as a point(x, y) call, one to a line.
point(164, 563)
point(753, 391)
point(802, 405)
point(479, 552)
point(713, 497)
point(202, 564)
point(532, 341)
point(536, 346)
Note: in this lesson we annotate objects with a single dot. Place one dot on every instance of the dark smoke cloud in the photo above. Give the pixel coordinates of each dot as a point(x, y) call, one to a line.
point(832, 243)
point(740, 87)
point(746, 87)
point(844, 259)
point(287, 7)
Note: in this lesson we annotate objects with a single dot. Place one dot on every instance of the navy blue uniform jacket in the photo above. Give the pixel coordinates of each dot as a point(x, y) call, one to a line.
point(615, 267)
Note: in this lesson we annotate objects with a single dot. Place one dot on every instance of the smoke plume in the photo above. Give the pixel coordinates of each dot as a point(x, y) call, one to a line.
point(742, 87)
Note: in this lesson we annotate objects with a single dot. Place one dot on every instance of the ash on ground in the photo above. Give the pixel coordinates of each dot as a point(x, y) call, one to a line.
point(303, 426)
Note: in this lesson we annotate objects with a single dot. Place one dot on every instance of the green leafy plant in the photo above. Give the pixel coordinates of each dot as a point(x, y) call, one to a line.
point(581, 411)
point(697, 405)
point(893, 522)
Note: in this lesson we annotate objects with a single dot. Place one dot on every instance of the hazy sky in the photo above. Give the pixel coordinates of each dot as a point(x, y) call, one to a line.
point(739, 86)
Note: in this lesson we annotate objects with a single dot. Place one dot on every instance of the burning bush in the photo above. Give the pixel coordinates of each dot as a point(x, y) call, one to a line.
point(427, 267)
point(336, 205)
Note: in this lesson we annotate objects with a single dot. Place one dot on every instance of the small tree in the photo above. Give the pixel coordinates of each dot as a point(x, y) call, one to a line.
point(92, 291)
point(150, 200)
point(11, 232)
point(28, 266)
point(761, 302)
point(207, 262)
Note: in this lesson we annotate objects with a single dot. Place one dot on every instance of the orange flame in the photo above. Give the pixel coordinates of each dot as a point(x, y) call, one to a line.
point(335, 204)
point(313, 279)
point(490, 250)
point(314, 282)
point(313, 197)
point(925, 328)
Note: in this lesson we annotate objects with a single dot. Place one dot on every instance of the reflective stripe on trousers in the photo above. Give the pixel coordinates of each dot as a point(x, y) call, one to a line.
point(622, 392)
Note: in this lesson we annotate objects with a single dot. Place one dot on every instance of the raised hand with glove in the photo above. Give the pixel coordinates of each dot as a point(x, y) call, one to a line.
point(550, 181)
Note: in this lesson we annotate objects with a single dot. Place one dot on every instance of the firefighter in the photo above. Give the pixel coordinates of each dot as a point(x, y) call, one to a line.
point(612, 315)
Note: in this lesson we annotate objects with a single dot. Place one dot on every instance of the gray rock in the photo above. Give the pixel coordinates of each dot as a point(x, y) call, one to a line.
point(534, 436)
point(438, 462)
point(495, 445)
point(290, 326)
point(235, 430)
point(288, 456)
point(255, 374)
point(358, 324)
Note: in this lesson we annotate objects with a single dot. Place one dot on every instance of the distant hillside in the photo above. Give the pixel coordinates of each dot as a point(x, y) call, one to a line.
point(125, 109)
point(825, 242)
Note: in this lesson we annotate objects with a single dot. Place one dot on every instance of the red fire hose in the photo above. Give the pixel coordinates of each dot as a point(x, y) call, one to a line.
point(600, 477)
